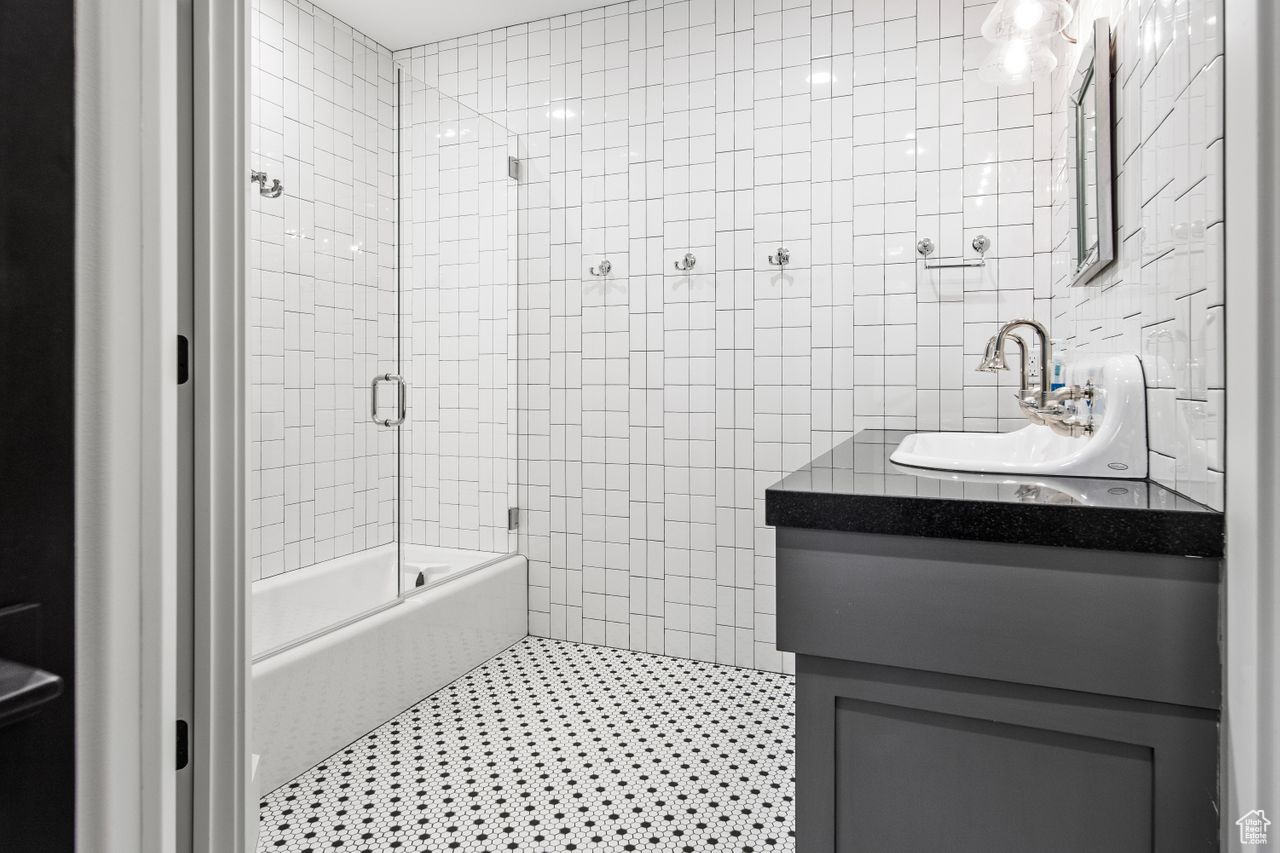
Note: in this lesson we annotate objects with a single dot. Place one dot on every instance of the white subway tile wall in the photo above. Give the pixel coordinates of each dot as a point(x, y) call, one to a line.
point(724, 130)
point(657, 405)
point(1164, 297)
point(321, 289)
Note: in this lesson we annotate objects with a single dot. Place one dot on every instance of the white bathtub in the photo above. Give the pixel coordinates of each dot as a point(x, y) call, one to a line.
point(295, 606)
point(316, 688)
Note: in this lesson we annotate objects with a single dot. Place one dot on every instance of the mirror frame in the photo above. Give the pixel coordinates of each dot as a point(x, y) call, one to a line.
point(1096, 258)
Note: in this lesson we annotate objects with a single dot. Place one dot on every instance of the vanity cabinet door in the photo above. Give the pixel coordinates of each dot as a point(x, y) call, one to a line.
point(904, 761)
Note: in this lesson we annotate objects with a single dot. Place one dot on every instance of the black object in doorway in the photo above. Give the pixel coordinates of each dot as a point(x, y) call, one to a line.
point(37, 461)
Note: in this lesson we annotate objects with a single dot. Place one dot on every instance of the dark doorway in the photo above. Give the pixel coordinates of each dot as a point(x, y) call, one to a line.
point(37, 428)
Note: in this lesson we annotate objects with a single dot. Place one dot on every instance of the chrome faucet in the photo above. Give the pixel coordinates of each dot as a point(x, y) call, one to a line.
point(1046, 355)
point(1041, 406)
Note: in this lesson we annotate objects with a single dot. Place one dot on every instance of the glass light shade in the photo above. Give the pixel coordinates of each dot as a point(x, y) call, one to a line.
point(1026, 19)
point(1017, 63)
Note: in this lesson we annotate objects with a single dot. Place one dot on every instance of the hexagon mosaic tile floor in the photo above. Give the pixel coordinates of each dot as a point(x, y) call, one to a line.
point(554, 746)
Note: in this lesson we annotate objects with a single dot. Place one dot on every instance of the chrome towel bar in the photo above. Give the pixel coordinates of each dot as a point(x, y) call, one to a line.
point(980, 245)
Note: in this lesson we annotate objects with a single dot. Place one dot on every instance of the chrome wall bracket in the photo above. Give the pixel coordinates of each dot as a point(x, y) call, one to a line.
point(781, 258)
point(925, 247)
point(686, 263)
point(601, 271)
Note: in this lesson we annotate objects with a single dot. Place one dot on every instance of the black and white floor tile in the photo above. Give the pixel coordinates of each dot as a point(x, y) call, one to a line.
point(556, 746)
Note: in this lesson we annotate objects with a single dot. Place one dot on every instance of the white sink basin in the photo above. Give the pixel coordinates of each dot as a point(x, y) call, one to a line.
point(1117, 447)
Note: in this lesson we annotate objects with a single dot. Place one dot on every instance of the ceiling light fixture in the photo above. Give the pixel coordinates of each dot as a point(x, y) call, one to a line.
point(1026, 19)
point(1019, 30)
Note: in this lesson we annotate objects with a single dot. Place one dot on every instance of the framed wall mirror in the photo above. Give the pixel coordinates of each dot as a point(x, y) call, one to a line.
point(1092, 178)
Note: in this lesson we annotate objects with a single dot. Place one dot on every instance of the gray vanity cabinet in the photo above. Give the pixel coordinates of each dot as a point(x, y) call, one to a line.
point(975, 696)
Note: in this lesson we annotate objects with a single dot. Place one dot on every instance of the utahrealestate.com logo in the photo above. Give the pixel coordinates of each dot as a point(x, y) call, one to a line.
point(1253, 827)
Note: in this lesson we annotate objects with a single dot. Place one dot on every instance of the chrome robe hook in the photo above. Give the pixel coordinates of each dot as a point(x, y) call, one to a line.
point(601, 271)
point(781, 259)
point(925, 247)
point(686, 263)
point(260, 178)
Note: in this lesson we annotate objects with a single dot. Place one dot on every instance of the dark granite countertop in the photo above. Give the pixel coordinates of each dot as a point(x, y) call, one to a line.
point(855, 488)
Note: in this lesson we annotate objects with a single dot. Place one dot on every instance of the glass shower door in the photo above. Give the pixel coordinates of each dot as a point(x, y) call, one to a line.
point(458, 267)
point(327, 398)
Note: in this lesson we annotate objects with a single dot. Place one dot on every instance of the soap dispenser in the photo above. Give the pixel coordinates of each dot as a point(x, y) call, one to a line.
point(1058, 378)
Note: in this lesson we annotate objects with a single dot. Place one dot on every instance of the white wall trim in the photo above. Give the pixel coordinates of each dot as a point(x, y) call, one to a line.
point(225, 816)
point(126, 322)
point(1250, 759)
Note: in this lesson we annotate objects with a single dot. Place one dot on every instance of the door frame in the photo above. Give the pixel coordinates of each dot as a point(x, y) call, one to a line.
point(225, 813)
point(1250, 746)
point(127, 275)
point(126, 296)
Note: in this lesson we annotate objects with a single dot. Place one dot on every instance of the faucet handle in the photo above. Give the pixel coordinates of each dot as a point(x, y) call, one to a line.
point(1075, 392)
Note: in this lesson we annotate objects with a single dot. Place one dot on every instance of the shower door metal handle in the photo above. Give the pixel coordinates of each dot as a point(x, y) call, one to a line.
point(402, 399)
